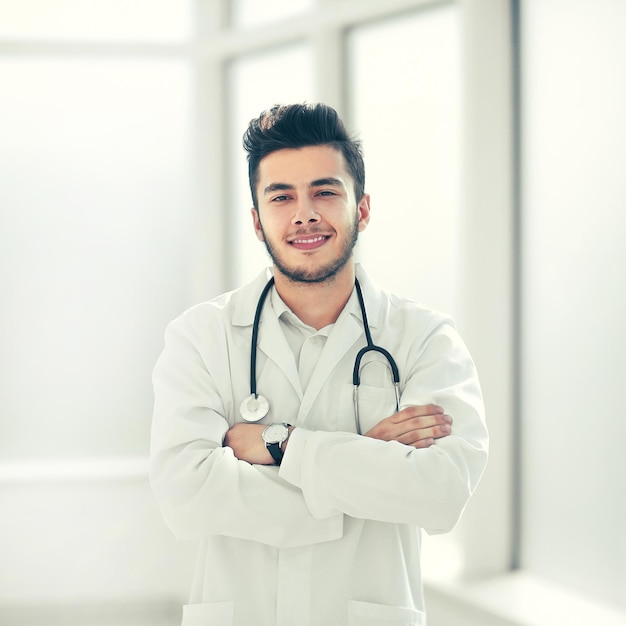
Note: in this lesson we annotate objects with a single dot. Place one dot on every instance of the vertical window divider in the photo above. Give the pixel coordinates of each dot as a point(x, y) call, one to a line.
point(210, 173)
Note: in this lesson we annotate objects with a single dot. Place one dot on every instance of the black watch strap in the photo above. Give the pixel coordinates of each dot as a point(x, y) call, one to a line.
point(276, 451)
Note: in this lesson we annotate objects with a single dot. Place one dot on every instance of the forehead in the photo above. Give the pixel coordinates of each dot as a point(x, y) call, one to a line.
point(302, 165)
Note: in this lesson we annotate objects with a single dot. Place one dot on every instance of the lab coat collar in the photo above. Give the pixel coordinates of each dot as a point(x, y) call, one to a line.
point(247, 298)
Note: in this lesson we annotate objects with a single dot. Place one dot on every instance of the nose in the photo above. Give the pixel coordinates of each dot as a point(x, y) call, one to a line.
point(305, 213)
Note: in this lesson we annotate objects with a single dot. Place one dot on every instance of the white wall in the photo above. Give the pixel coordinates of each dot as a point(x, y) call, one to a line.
point(84, 543)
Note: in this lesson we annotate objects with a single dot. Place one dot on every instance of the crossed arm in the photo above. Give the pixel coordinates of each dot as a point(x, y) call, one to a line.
point(416, 426)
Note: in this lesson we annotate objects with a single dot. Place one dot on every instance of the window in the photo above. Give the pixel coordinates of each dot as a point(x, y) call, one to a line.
point(406, 105)
point(250, 13)
point(98, 20)
point(95, 197)
point(124, 199)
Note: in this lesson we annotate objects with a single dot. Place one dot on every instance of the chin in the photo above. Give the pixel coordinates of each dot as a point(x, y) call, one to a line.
point(308, 274)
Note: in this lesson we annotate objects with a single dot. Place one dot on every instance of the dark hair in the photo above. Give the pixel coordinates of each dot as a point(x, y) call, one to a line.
point(298, 126)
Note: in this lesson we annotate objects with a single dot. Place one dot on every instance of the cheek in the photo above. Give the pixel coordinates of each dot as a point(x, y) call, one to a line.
point(268, 227)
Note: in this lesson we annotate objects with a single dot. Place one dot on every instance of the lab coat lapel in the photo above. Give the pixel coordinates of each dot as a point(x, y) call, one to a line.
point(347, 330)
point(273, 343)
point(271, 340)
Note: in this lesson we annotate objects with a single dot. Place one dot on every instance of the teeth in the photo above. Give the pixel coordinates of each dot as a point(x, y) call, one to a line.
point(314, 240)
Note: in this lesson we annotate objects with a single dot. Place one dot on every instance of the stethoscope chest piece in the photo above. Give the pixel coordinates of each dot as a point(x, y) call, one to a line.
point(254, 408)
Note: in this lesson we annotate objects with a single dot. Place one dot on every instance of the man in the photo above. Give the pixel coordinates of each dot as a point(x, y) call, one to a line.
point(310, 514)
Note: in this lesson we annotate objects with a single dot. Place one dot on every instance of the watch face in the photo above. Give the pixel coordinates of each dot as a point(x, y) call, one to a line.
point(275, 433)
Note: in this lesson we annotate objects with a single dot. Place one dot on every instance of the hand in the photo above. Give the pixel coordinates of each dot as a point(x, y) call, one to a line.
point(416, 426)
point(247, 443)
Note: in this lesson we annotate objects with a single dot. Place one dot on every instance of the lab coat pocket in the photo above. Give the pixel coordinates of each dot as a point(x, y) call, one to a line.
point(208, 614)
point(369, 614)
point(375, 404)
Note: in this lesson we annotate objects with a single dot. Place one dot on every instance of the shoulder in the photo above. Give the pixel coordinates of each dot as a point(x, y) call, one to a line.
point(420, 326)
point(416, 311)
point(389, 309)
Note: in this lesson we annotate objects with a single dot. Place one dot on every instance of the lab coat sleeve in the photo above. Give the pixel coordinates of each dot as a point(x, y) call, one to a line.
point(201, 487)
point(388, 481)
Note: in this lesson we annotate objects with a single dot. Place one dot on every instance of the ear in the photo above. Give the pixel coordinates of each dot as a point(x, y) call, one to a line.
point(364, 212)
point(257, 224)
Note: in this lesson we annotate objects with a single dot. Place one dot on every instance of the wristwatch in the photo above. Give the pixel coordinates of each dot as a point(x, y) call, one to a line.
point(274, 435)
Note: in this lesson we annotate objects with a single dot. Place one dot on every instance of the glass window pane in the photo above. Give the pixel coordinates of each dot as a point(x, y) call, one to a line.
point(406, 106)
point(144, 20)
point(574, 304)
point(251, 13)
point(94, 197)
point(250, 93)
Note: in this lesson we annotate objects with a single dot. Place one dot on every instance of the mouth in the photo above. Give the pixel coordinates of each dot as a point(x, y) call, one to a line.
point(310, 242)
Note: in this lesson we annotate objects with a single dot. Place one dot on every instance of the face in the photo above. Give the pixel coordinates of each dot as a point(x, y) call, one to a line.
point(307, 214)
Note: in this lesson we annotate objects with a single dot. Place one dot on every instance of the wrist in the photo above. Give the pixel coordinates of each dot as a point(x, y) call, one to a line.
point(274, 436)
point(283, 445)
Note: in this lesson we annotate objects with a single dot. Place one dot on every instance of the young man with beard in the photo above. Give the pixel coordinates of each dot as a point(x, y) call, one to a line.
point(307, 504)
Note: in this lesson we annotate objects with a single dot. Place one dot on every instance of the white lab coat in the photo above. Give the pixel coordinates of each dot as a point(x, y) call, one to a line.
point(331, 538)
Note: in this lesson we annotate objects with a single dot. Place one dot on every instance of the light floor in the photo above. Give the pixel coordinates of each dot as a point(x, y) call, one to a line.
point(154, 614)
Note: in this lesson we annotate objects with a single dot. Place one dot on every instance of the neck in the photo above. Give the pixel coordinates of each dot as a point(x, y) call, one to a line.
point(317, 304)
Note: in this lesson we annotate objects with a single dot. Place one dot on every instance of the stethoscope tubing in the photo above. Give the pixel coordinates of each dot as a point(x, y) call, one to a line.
point(370, 347)
point(255, 335)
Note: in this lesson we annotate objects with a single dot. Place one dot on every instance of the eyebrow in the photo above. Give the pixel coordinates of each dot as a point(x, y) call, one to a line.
point(277, 187)
point(324, 182)
point(320, 182)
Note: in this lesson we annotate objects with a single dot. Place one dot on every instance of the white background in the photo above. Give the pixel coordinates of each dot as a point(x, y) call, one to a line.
point(124, 199)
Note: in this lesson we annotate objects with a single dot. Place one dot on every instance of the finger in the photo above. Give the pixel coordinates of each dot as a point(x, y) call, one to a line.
point(424, 434)
point(423, 443)
point(418, 411)
point(425, 421)
point(412, 428)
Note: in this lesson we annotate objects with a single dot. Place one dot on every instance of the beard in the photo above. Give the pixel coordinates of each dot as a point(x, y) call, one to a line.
point(316, 274)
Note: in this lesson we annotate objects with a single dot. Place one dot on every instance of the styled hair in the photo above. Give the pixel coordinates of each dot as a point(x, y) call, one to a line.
point(299, 126)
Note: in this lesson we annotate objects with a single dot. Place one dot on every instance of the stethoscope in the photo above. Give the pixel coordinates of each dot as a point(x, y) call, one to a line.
point(255, 407)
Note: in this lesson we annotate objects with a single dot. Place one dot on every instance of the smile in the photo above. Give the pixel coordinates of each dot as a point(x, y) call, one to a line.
point(309, 243)
point(310, 240)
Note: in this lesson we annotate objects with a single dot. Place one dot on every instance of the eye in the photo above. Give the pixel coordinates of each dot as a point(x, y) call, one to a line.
point(280, 198)
point(326, 193)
